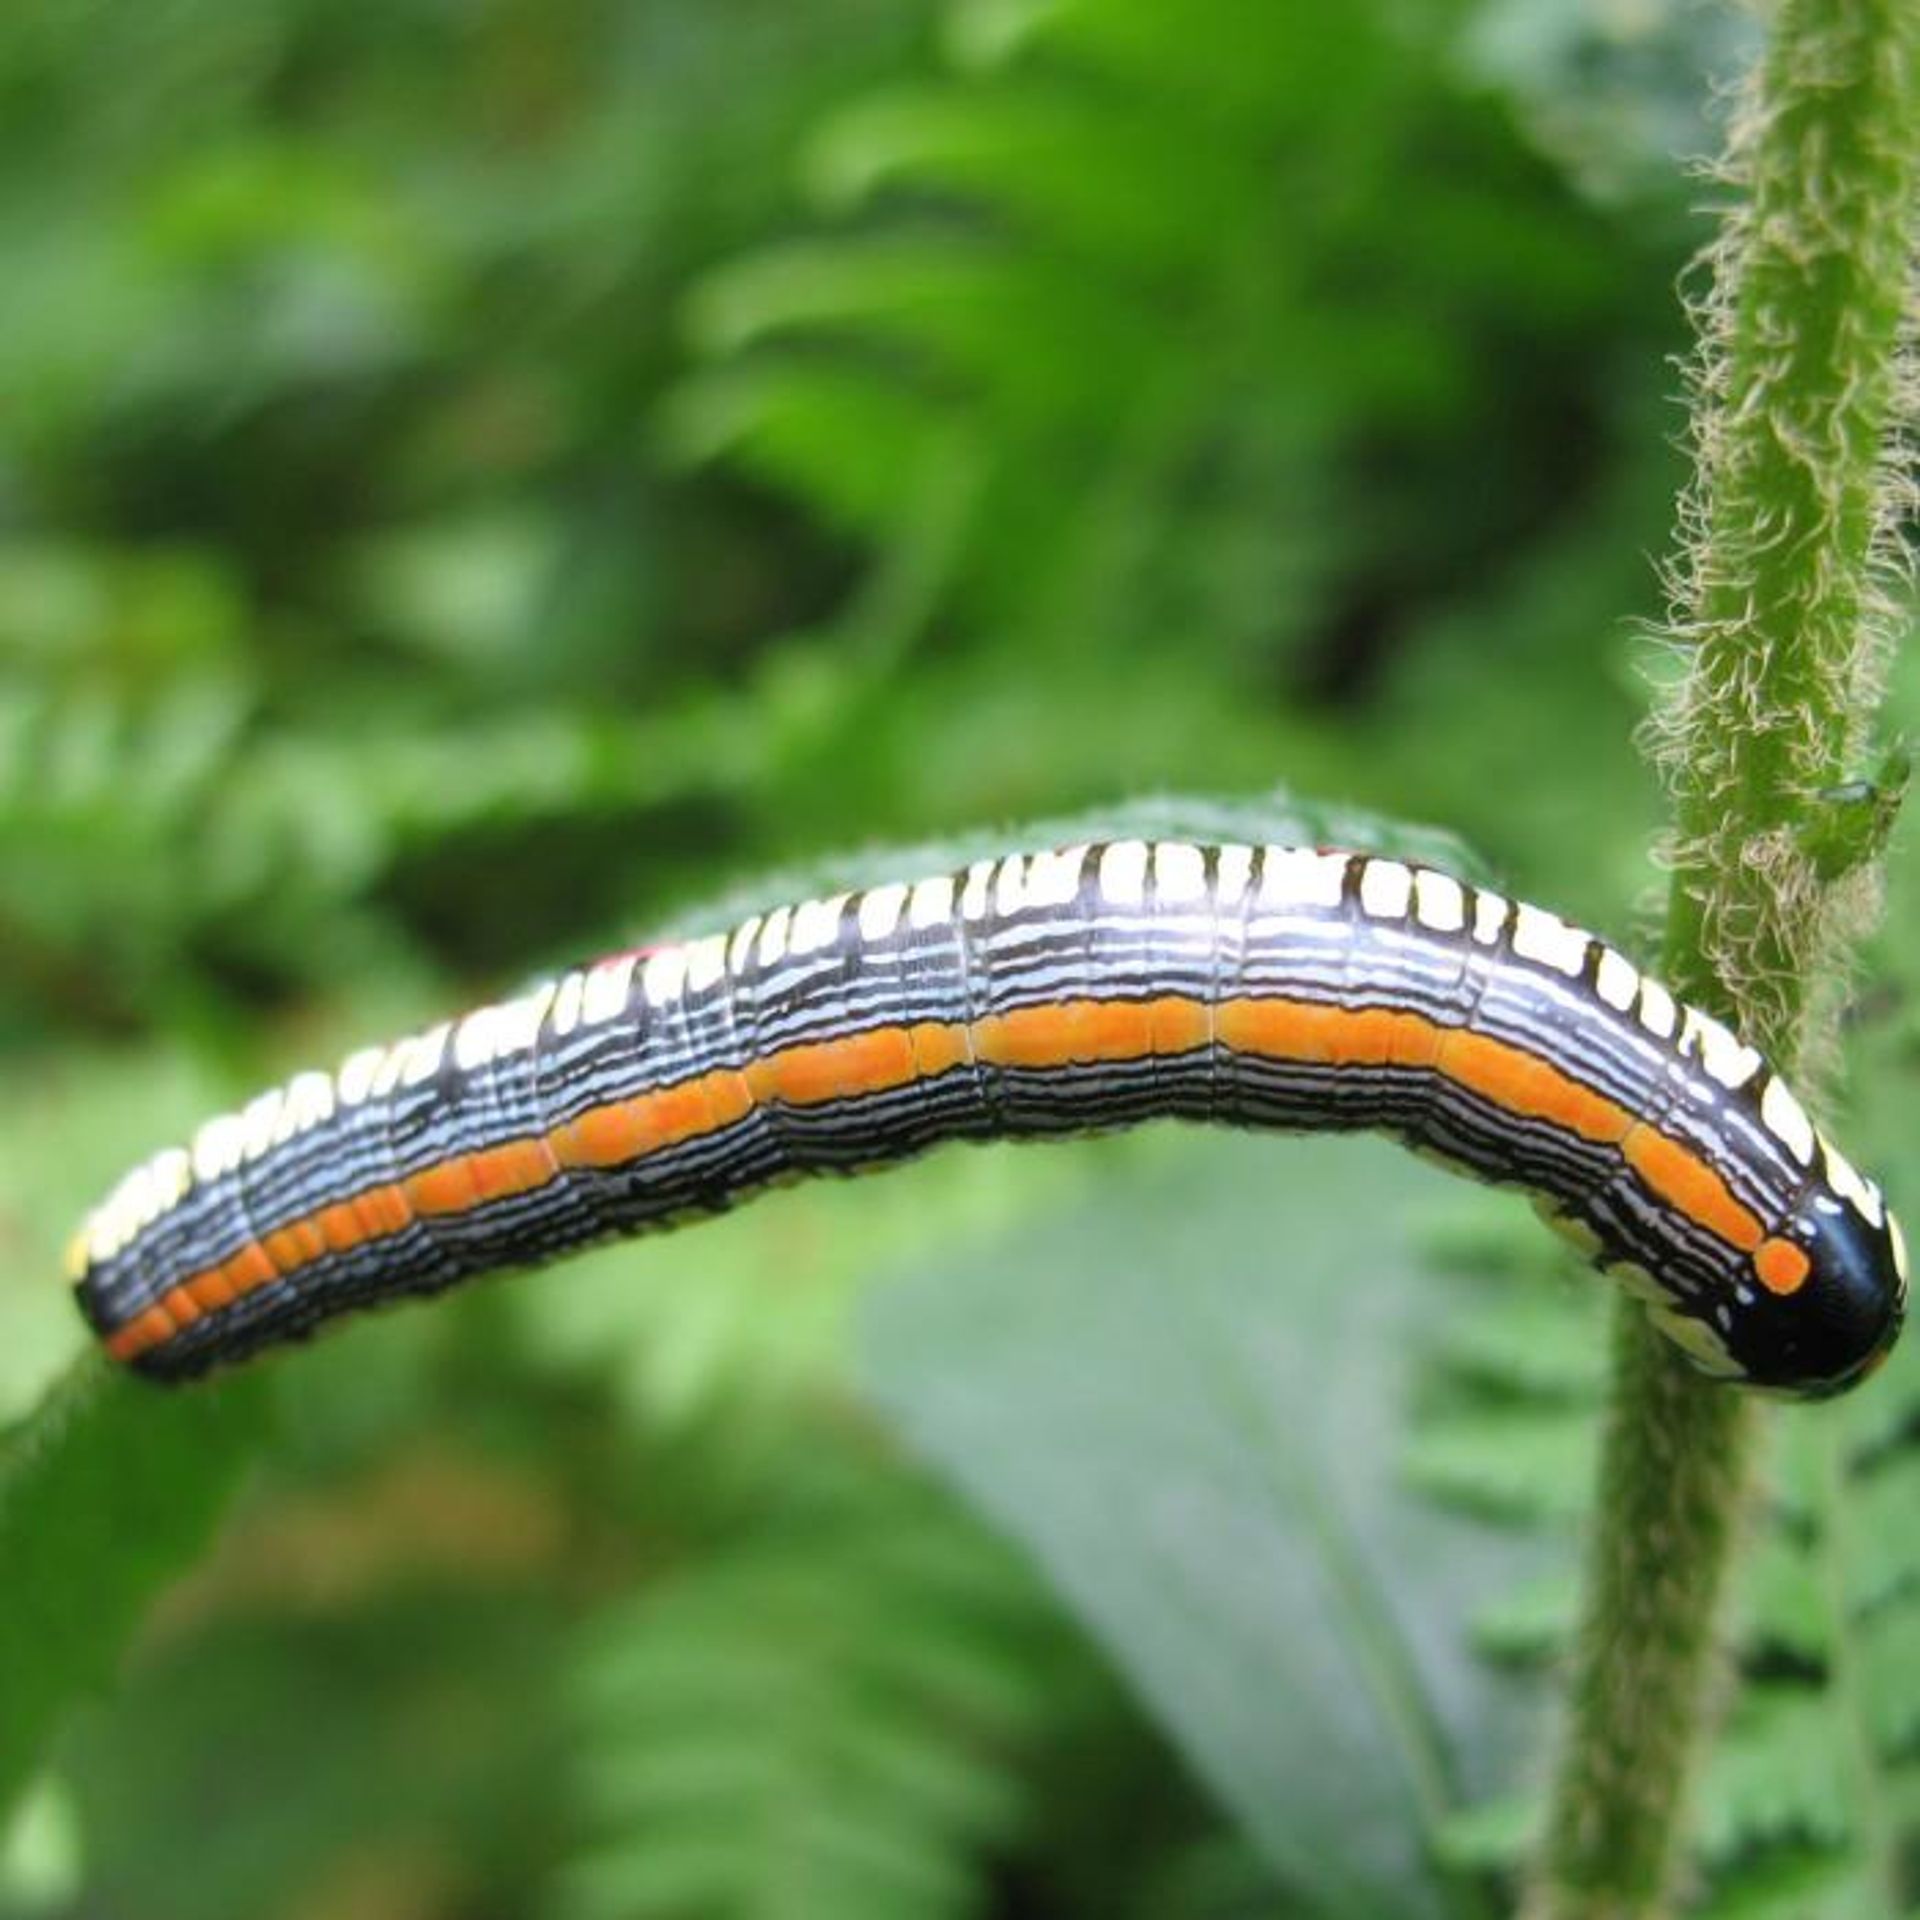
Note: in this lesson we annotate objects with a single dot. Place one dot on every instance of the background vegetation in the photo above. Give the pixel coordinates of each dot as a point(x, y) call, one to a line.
point(480, 483)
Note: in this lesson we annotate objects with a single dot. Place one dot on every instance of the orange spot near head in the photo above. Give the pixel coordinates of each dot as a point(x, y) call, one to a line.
point(1781, 1266)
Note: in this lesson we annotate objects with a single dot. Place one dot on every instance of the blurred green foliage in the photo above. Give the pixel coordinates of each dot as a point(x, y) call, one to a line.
point(481, 482)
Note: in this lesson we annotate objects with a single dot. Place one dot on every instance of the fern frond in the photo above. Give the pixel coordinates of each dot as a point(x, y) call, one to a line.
point(1118, 250)
point(828, 1719)
point(1808, 1808)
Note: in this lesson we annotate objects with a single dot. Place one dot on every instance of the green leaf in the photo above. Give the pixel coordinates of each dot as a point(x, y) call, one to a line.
point(821, 1719)
point(1799, 1884)
point(1496, 1834)
point(1086, 172)
point(1509, 1463)
point(1885, 1561)
point(825, 429)
point(1530, 1625)
point(1540, 1336)
point(1780, 1773)
point(107, 1492)
point(1890, 1657)
point(1184, 1397)
point(1782, 1606)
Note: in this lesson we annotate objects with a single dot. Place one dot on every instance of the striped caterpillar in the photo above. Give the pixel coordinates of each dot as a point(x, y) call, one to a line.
point(1058, 992)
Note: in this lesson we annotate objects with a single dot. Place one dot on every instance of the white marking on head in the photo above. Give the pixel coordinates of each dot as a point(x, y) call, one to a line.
point(931, 904)
point(1179, 873)
point(1547, 940)
point(1386, 890)
point(1899, 1242)
point(880, 911)
point(1786, 1119)
point(1123, 873)
point(1233, 872)
point(1658, 1012)
point(1439, 901)
point(1616, 980)
point(1010, 884)
point(1300, 877)
point(1845, 1181)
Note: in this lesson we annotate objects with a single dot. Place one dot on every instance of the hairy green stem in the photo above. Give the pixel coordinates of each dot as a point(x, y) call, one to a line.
point(1799, 411)
point(1673, 1473)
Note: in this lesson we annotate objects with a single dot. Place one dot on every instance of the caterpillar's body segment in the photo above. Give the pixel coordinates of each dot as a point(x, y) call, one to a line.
point(1039, 994)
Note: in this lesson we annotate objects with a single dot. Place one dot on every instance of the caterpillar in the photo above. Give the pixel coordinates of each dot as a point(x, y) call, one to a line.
point(1065, 991)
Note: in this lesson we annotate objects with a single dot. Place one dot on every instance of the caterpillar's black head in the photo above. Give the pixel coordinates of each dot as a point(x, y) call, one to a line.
point(1812, 1311)
point(1855, 1297)
point(1832, 1328)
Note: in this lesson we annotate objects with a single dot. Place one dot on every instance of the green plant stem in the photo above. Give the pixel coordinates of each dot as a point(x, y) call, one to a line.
point(1798, 407)
point(1673, 1474)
